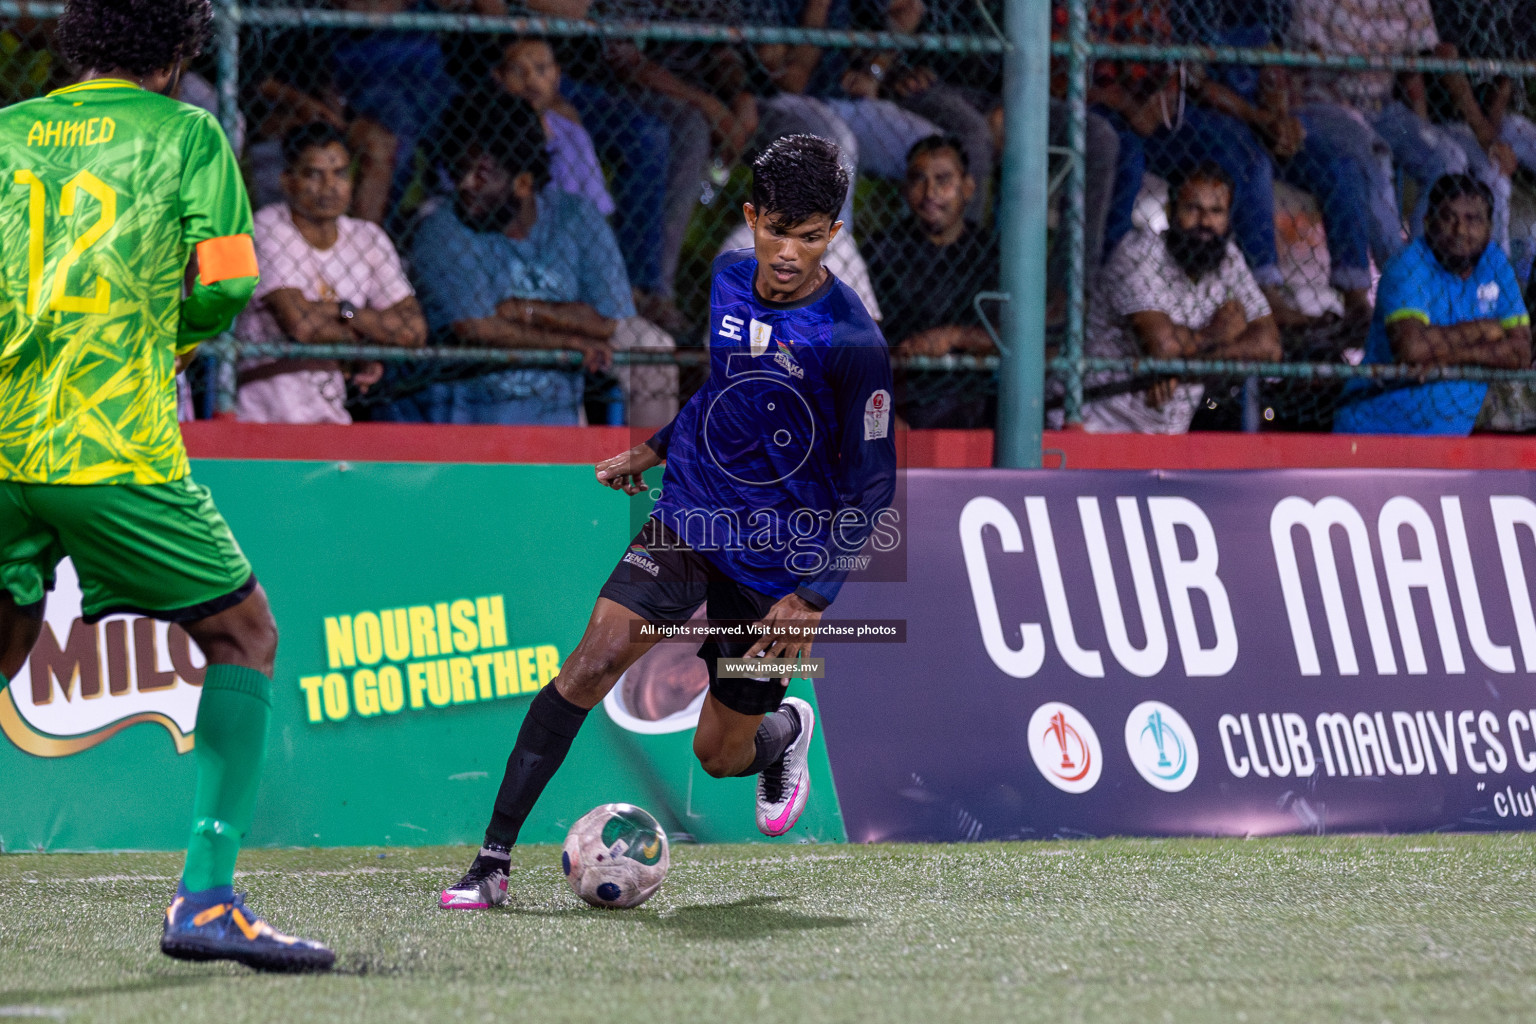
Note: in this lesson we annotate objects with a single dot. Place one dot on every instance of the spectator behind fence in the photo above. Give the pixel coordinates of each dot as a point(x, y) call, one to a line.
point(653, 129)
point(1339, 179)
point(294, 85)
point(1450, 299)
point(1185, 294)
point(399, 79)
point(915, 82)
point(508, 263)
point(528, 70)
point(1357, 111)
point(873, 134)
point(326, 278)
point(1486, 112)
point(1167, 125)
point(927, 270)
point(1492, 106)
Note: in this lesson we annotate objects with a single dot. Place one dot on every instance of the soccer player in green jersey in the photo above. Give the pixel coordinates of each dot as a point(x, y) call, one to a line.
point(109, 190)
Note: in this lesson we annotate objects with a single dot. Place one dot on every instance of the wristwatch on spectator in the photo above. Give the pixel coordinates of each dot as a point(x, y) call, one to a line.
point(345, 311)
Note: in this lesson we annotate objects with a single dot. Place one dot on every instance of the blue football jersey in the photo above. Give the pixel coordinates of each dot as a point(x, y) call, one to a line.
point(783, 461)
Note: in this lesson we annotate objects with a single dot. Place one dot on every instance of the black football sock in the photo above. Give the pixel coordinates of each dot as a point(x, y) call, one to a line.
point(775, 733)
point(551, 724)
point(492, 856)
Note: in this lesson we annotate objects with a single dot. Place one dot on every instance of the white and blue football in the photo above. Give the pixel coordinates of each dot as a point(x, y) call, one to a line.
point(615, 856)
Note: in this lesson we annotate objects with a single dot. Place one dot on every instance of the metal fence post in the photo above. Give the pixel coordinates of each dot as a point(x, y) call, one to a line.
point(1026, 102)
point(1079, 262)
point(226, 28)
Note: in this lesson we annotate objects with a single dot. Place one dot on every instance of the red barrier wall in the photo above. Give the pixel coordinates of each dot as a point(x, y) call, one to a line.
point(939, 449)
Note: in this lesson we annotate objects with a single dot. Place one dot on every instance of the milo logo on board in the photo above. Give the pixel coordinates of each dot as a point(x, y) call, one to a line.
point(84, 683)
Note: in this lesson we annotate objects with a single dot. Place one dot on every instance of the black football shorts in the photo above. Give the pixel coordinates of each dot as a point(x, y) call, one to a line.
point(664, 581)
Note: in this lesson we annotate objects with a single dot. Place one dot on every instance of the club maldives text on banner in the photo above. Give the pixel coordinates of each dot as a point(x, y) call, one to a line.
point(419, 608)
point(1219, 653)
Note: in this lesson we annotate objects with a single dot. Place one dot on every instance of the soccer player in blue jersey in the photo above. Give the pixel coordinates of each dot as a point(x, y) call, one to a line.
point(777, 471)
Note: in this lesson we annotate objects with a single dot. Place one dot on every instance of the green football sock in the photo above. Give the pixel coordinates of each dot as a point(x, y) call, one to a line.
point(231, 744)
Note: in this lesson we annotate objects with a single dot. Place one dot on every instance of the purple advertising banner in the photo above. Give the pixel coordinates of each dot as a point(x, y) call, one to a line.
point(1217, 653)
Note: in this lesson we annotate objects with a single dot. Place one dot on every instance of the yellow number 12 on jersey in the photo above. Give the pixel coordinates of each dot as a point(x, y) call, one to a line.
point(58, 299)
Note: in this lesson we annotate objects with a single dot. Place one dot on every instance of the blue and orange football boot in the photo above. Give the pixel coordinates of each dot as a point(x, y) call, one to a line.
point(229, 930)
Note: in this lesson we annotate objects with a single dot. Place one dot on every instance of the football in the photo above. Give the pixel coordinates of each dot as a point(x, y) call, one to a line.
point(615, 856)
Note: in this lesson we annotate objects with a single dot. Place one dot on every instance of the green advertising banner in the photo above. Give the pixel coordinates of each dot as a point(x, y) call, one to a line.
point(419, 606)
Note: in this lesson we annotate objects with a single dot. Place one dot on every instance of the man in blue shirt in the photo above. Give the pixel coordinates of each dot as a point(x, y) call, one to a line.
point(1449, 299)
point(509, 263)
point(778, 470)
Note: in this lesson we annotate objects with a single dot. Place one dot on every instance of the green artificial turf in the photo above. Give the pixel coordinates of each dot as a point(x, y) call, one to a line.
point(1409, 928)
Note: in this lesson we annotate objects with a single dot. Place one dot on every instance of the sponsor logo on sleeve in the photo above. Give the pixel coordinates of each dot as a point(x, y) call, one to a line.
point(877, 415)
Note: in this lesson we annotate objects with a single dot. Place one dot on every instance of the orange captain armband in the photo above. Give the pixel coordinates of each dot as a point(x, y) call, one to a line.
point(219, 259)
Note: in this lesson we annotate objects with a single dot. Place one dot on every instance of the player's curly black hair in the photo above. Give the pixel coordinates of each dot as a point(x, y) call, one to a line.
point(141, 36)
point(797, 177)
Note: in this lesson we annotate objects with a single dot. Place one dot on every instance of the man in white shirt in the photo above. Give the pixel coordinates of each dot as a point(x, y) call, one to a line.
point(1184, 294)
point(326, 278)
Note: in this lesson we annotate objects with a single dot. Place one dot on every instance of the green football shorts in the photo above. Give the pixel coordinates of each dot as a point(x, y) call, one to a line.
point(156, 549)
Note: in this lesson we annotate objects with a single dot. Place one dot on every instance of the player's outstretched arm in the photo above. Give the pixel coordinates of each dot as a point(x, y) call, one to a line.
point(623, 471)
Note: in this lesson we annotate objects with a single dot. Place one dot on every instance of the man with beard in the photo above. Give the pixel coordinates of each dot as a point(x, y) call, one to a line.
point(1184, 294)
point(927, 269)
point(1450, 299)
point(507, 263)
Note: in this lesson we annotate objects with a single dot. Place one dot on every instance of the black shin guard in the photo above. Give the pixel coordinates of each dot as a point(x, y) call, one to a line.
point(774, 735)
point(551, 724)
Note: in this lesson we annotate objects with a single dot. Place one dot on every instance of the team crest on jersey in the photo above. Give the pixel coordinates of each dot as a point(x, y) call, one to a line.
point(83, 684)
point(877, 415)
point(761, 334)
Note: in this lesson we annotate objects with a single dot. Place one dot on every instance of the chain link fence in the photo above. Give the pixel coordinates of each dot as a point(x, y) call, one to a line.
point(554, 191)
point(479, 211)
point(1269, 200)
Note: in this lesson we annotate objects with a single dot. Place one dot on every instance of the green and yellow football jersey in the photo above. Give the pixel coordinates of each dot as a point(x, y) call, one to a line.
point(106, 190)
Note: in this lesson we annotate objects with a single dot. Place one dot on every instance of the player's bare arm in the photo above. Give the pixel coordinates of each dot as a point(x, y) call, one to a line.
point(623, 472)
